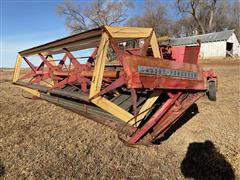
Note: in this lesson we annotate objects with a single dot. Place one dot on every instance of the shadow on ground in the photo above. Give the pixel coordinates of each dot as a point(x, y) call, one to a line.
point(2, 169)
point(191, 111)
point(203, 161)
point(4, 80)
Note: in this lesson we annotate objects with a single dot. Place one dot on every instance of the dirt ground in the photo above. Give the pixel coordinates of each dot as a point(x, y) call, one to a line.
point(39, 140)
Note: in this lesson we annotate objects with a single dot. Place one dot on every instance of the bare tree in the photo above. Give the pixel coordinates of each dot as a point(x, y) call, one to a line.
point(154, 15)
point(207, 16)
point(93, 14)
point(184, 26)
point(202, 12)
point(235, 16)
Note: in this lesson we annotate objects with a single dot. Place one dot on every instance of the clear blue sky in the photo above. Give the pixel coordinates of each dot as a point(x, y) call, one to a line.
point(28, 23)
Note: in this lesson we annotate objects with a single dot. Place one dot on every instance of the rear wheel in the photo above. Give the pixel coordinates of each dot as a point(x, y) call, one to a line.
point(212, 91)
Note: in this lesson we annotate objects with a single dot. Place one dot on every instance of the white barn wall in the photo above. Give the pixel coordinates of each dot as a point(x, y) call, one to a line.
point(214, 45)
point(213, 49)
point(236, 47)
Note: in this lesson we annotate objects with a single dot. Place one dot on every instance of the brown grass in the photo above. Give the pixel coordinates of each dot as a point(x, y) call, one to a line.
point(39, 140)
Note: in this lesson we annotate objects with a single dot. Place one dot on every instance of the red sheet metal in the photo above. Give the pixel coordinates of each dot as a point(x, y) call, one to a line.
point(186, 54)
point(174, 114)
point(135, 79)
point(154, 119)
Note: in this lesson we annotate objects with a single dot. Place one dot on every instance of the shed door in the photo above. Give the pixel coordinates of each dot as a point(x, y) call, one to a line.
point(229, 49)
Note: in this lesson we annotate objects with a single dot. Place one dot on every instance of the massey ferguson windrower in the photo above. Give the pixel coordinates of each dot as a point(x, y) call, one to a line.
point(130, 89)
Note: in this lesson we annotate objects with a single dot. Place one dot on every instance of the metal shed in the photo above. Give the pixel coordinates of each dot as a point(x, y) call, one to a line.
point(216, 44)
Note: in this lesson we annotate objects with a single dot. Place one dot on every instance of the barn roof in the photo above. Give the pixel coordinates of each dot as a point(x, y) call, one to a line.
point(210, 37)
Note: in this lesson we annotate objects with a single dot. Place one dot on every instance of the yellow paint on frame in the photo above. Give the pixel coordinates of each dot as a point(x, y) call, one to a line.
point(99, 66)
point(29, 90)
point(113, 109)
point(154, 45)
point(147, 105)
point(17, 69)
point(128, 32)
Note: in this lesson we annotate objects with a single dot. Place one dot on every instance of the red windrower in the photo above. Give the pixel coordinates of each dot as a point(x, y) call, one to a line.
point(140, 91)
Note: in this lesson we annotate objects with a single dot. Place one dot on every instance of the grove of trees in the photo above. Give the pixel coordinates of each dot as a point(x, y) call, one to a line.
point(176, 18)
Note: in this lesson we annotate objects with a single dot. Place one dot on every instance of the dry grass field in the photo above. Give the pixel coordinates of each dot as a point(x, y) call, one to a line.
point(39, 140)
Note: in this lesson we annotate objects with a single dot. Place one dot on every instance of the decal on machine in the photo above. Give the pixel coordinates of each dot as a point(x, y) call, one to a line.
point(150, 70)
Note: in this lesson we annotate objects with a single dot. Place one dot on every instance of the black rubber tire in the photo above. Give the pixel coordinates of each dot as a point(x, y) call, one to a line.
point(212, 91)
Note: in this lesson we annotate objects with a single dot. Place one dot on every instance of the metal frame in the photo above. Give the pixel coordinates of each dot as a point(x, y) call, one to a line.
point(119, 32)
point(115, 32)
point(16, 75)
